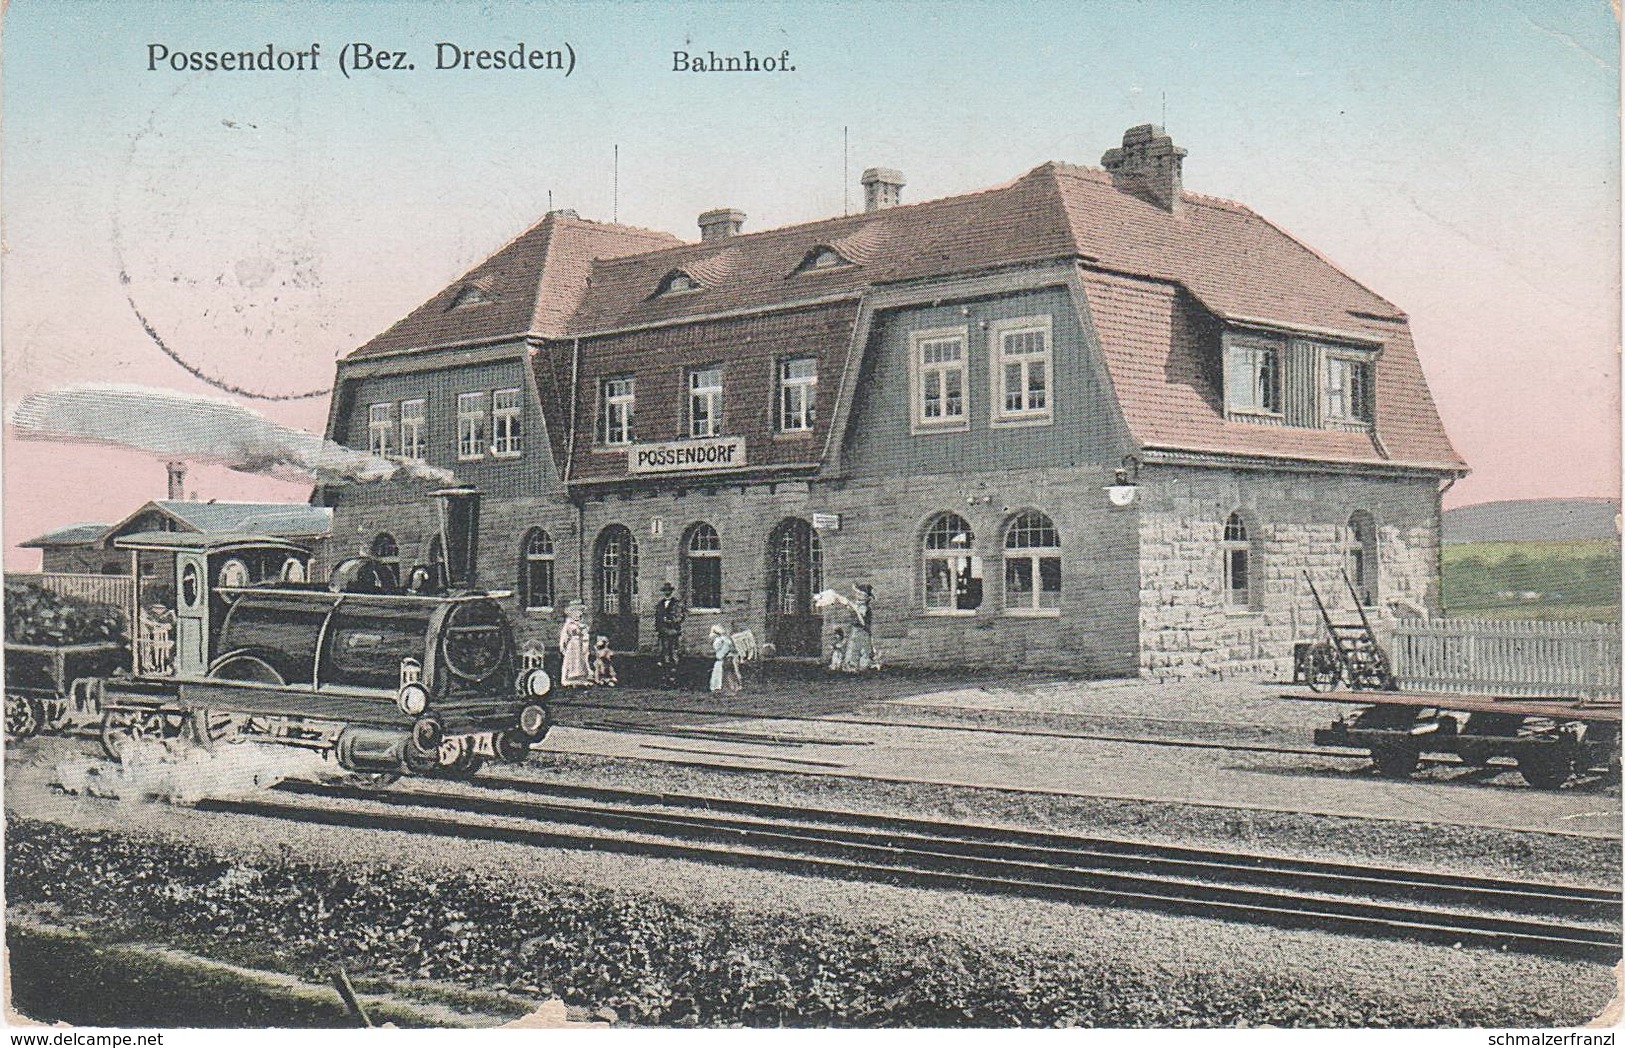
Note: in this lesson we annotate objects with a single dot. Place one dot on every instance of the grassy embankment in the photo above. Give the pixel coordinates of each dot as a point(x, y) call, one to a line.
point(1569, 581)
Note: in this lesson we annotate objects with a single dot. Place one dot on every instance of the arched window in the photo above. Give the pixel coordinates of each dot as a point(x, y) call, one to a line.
point(953, 576)
point(702, 568)
point(536, 570)
point(387, 552)
point(1032, 563)
point(1360, 556)
point(1240, 568)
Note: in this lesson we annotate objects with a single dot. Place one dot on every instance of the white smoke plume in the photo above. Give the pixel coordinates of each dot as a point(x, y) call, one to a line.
point(182, 425)
point(186, 774)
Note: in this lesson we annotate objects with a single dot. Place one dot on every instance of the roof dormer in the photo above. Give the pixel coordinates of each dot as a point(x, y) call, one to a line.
point(473, 293)
point(821, 258)
point(676, 282)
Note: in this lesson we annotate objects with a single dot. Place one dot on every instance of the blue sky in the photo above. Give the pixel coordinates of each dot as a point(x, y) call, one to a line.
point(1461, 159)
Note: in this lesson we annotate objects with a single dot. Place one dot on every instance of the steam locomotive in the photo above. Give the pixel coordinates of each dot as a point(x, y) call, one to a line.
point(231, 639)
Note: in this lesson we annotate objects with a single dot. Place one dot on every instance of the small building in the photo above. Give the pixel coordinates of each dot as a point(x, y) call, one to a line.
point(1084, 420)
point(77, 550)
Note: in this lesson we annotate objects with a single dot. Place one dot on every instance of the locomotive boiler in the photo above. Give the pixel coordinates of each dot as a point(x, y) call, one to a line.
point(230, 638)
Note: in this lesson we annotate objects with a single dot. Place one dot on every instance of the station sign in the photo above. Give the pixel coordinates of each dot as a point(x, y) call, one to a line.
point(686, 456)
point(826, 521)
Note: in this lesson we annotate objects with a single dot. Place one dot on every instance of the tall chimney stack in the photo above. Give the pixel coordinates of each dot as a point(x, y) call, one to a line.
point(721, 222)
point(177, 480)
point(1148, 165)
point(882, 188)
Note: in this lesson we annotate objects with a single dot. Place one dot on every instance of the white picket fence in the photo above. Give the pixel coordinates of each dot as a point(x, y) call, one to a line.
point(99, 589)
point(1506, 657)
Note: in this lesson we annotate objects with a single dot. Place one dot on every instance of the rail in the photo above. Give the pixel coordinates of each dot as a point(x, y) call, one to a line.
point(114, 590)
point(1504, 657)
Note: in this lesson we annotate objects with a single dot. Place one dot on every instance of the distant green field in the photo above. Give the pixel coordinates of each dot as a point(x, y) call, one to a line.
point(1570, 581)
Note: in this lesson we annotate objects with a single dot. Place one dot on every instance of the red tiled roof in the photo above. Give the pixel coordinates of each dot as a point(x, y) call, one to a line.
point(596, 279)
point(533, 283)
point(1170, 396)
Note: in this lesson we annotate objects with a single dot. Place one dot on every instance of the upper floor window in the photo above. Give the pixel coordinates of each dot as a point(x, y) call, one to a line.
point(536, 582)
point(1240, 591)
point(705, 402)
point(1347, 390)
point(471, 439)
point(507, 413)
point(1022, 364)
point(617, 399)
point(702, 568)
point(380, 421)
point(953, 573)
point(798, 394)
point(937, 359)
point(1252, 378)
point(414, 428)
point(1032, 564)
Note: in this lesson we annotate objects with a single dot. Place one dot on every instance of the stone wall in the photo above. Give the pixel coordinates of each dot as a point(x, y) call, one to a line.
point(1296, 522)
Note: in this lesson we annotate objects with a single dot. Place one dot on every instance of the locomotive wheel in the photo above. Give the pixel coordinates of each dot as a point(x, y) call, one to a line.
point(1325, 668)
point(1396, 759)
point(122, 726)
point(22, 716)
point(511, 747)
point(1546, 767)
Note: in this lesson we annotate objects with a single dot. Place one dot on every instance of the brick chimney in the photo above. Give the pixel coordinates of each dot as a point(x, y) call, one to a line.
point(721, 222)
point(177, 480)
point(882, 188)
point(1148, 165)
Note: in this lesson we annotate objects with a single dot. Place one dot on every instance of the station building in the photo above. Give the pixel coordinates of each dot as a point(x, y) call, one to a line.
point(1083, 420)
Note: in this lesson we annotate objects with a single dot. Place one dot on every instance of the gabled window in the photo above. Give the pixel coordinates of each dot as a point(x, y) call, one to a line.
point(822, 257)
point(414, 429)
point(937, 362)
point(953, 574)
point(1347, 392)
point(1022, 365)
point(1252, 377)
point(507, 413)
point(471, 440)
point(705, 402)
point(536, 587)
point(675, 283)
point(702, 568)
point(798, 394)
point(380, 423)
point(617, 402)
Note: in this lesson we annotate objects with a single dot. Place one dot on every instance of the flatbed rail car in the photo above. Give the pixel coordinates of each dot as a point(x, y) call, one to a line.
point(40, 689)
point(1550, 738)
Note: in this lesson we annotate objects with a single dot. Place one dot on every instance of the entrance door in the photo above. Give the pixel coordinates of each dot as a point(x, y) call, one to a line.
point(615, 585)
point(795, 571)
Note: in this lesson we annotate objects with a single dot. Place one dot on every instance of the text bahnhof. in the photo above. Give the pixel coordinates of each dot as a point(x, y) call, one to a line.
point(273, 59)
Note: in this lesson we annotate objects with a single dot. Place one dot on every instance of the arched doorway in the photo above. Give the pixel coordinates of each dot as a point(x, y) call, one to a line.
point(615, 587)
point(795, 571)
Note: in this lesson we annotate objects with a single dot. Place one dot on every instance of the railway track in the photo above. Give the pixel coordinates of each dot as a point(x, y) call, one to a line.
point(1293, 893)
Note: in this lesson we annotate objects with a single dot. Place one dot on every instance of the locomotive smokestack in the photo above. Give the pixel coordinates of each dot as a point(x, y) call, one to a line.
point(459, 533)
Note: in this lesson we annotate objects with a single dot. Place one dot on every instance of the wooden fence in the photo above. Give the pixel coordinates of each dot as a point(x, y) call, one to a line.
point(99, 589)
point(1504, 657)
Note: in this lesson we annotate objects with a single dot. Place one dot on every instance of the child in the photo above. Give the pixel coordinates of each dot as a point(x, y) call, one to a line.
point(603, 662)
point(837, 650)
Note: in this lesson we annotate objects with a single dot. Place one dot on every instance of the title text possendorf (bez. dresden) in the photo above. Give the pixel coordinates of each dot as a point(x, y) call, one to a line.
point(362, 58)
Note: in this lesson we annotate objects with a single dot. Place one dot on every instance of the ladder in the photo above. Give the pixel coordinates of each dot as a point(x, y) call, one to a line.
point(1363, 662)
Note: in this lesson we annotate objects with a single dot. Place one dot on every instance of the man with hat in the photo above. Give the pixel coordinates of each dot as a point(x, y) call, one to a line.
point(669, 616)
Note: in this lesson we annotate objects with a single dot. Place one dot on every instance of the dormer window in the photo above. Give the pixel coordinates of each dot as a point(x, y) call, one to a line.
point(471, 295)
point(675, 283)
point(822, 257)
